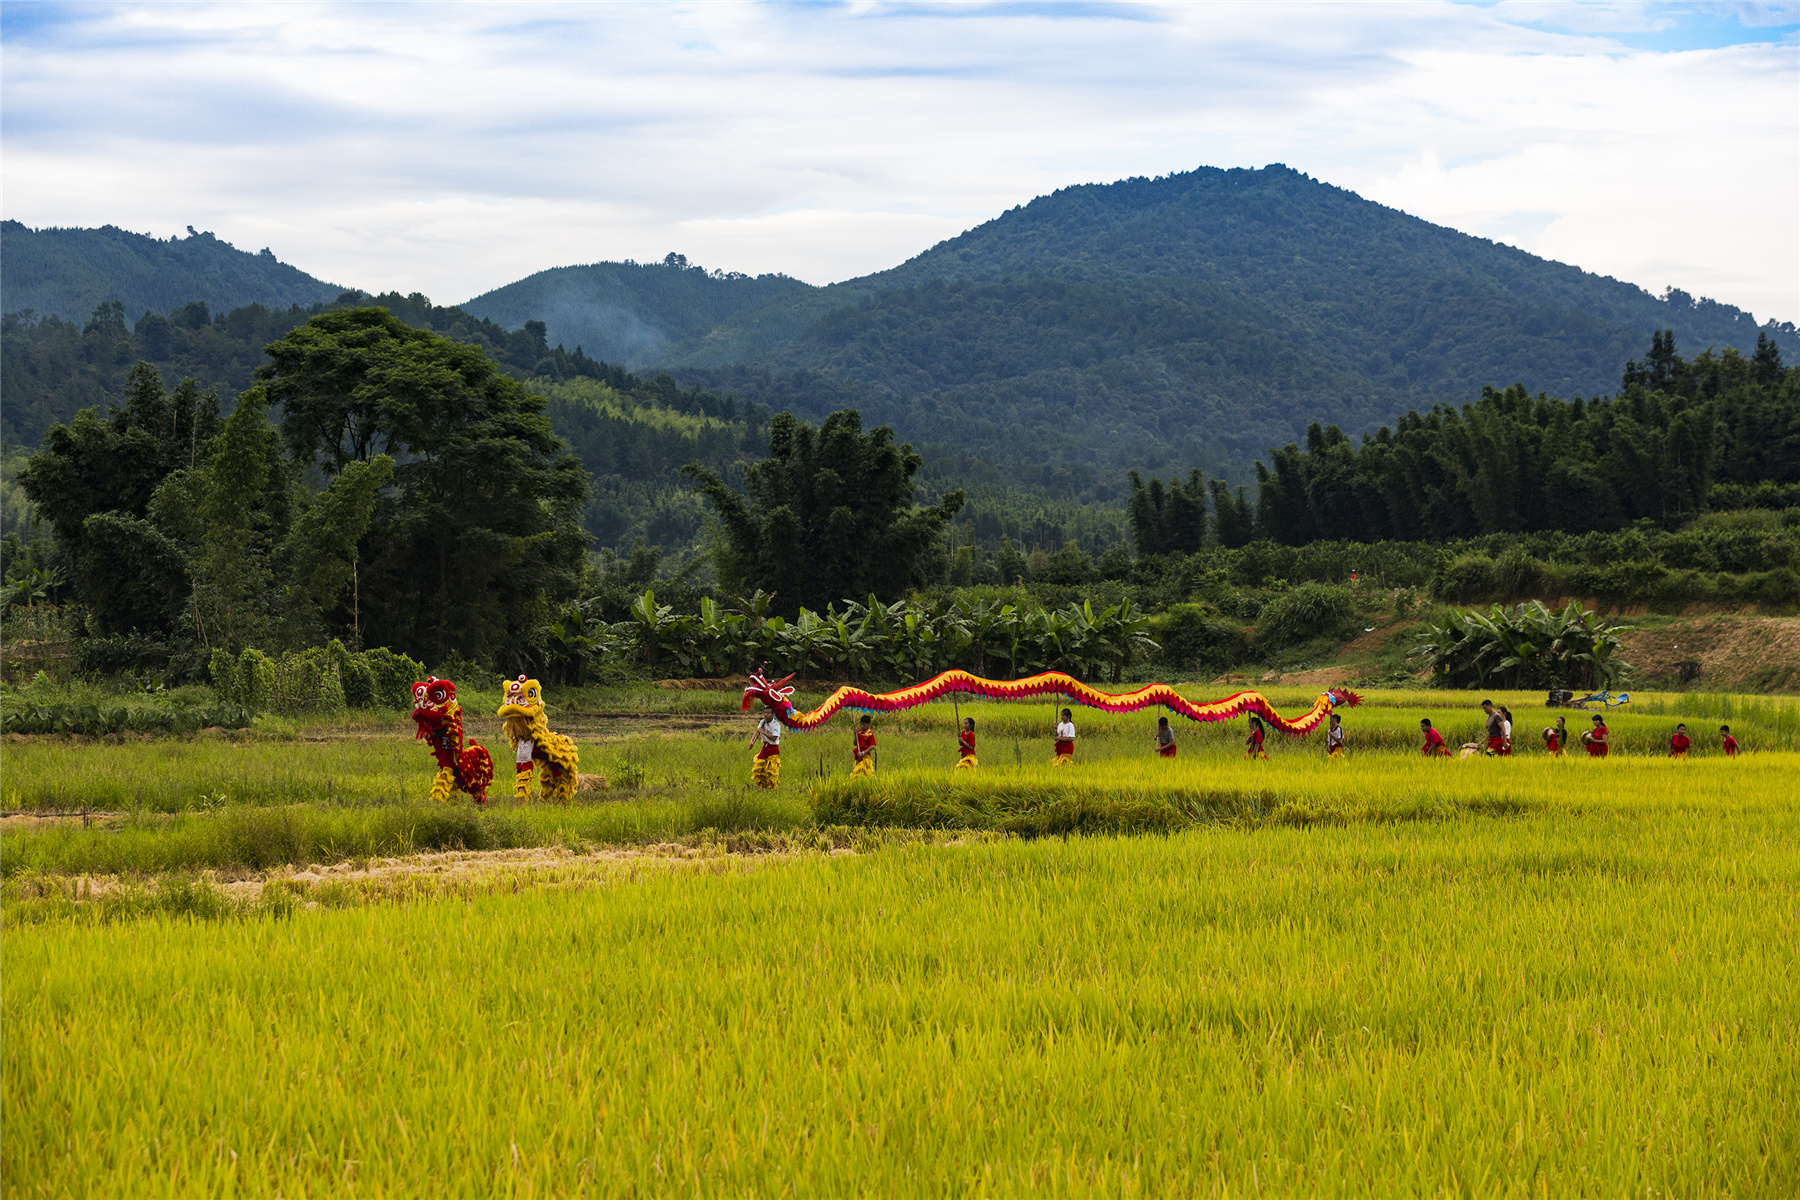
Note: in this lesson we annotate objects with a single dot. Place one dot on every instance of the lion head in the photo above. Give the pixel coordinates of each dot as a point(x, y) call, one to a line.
point(433, 695)
point(522, 707)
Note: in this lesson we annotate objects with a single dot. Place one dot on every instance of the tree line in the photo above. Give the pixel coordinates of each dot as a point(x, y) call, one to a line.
point(1678, 435)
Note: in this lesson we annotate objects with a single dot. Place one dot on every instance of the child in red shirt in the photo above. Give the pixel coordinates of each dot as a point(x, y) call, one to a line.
point(1595, 738)
point(1678, 745)
point(862, 750)
point(1434, 741)
point(1254, 743)
point(1727, 743)
point(965, 745)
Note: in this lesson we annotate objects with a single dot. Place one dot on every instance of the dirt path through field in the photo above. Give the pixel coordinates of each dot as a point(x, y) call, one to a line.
point(441, 874)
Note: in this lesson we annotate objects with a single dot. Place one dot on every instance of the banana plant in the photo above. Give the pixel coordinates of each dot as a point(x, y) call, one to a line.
point(853, 644)
point(1526, 644)
point(574, 642)
point(26, 588)
point(662, 634)
point(799, 643)
point(719, 638)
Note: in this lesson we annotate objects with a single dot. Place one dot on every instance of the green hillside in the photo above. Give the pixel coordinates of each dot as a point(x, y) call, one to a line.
point(69, 273)
point(1185, 321)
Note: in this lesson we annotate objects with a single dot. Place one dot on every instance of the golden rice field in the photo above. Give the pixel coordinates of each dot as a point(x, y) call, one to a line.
point(1387, 975)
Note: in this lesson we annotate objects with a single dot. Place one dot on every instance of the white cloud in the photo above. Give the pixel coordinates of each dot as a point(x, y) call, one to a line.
point(453, 149)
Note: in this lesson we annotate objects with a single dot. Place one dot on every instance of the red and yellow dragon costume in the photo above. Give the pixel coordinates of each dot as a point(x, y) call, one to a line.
point(1051, 683)
point(439, 720)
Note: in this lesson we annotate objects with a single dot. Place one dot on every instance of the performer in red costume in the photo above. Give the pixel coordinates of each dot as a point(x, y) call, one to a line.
point(1334, 737)
point(1678, 745)
point(862, 750)
point(1434, 746)
point(965, 745)
point(1727, 743)
point(438, 717)
point(1065, 740)
point(765, 770)
point(1253, 745)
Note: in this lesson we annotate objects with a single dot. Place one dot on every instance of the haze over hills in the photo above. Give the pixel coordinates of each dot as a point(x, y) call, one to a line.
point(1113, 324)
point(641, 313)
point(69, 272)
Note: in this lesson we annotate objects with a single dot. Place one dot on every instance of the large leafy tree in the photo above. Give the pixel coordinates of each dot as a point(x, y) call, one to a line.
point(478, 541)
point(828, 515)
point(94, 479)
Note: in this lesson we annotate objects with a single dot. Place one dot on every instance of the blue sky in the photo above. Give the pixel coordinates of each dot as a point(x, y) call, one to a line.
point(451, 149)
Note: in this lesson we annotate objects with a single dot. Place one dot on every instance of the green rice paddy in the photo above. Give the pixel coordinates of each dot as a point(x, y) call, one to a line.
point(1382, 976)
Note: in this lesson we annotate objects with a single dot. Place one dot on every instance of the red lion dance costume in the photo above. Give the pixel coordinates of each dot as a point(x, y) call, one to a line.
point(439, 719)
point(775, 696)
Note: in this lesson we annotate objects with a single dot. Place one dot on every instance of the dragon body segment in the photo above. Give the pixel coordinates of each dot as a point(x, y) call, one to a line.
point(528, 729)
point(439, 720)
point(775, 695)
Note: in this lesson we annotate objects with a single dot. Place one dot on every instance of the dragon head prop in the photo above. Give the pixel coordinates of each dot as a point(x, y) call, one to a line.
point(774, 695)
point(1340, 697)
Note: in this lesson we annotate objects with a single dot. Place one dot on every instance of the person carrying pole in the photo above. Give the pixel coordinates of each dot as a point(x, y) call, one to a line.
point(1165, 738)
point(965, 745)
point(1434, 746)
point(862, 750)
point(1334, 738)
point(765, 771)
point(1065, 740)
point(1253, 745)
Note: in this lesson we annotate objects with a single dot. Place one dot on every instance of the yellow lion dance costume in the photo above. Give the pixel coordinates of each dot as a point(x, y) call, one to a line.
point(527, 728)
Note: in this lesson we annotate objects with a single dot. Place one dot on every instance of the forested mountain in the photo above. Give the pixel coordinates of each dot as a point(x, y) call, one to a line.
point(69, 273)
point(1184, 321)
point(1196, 321)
